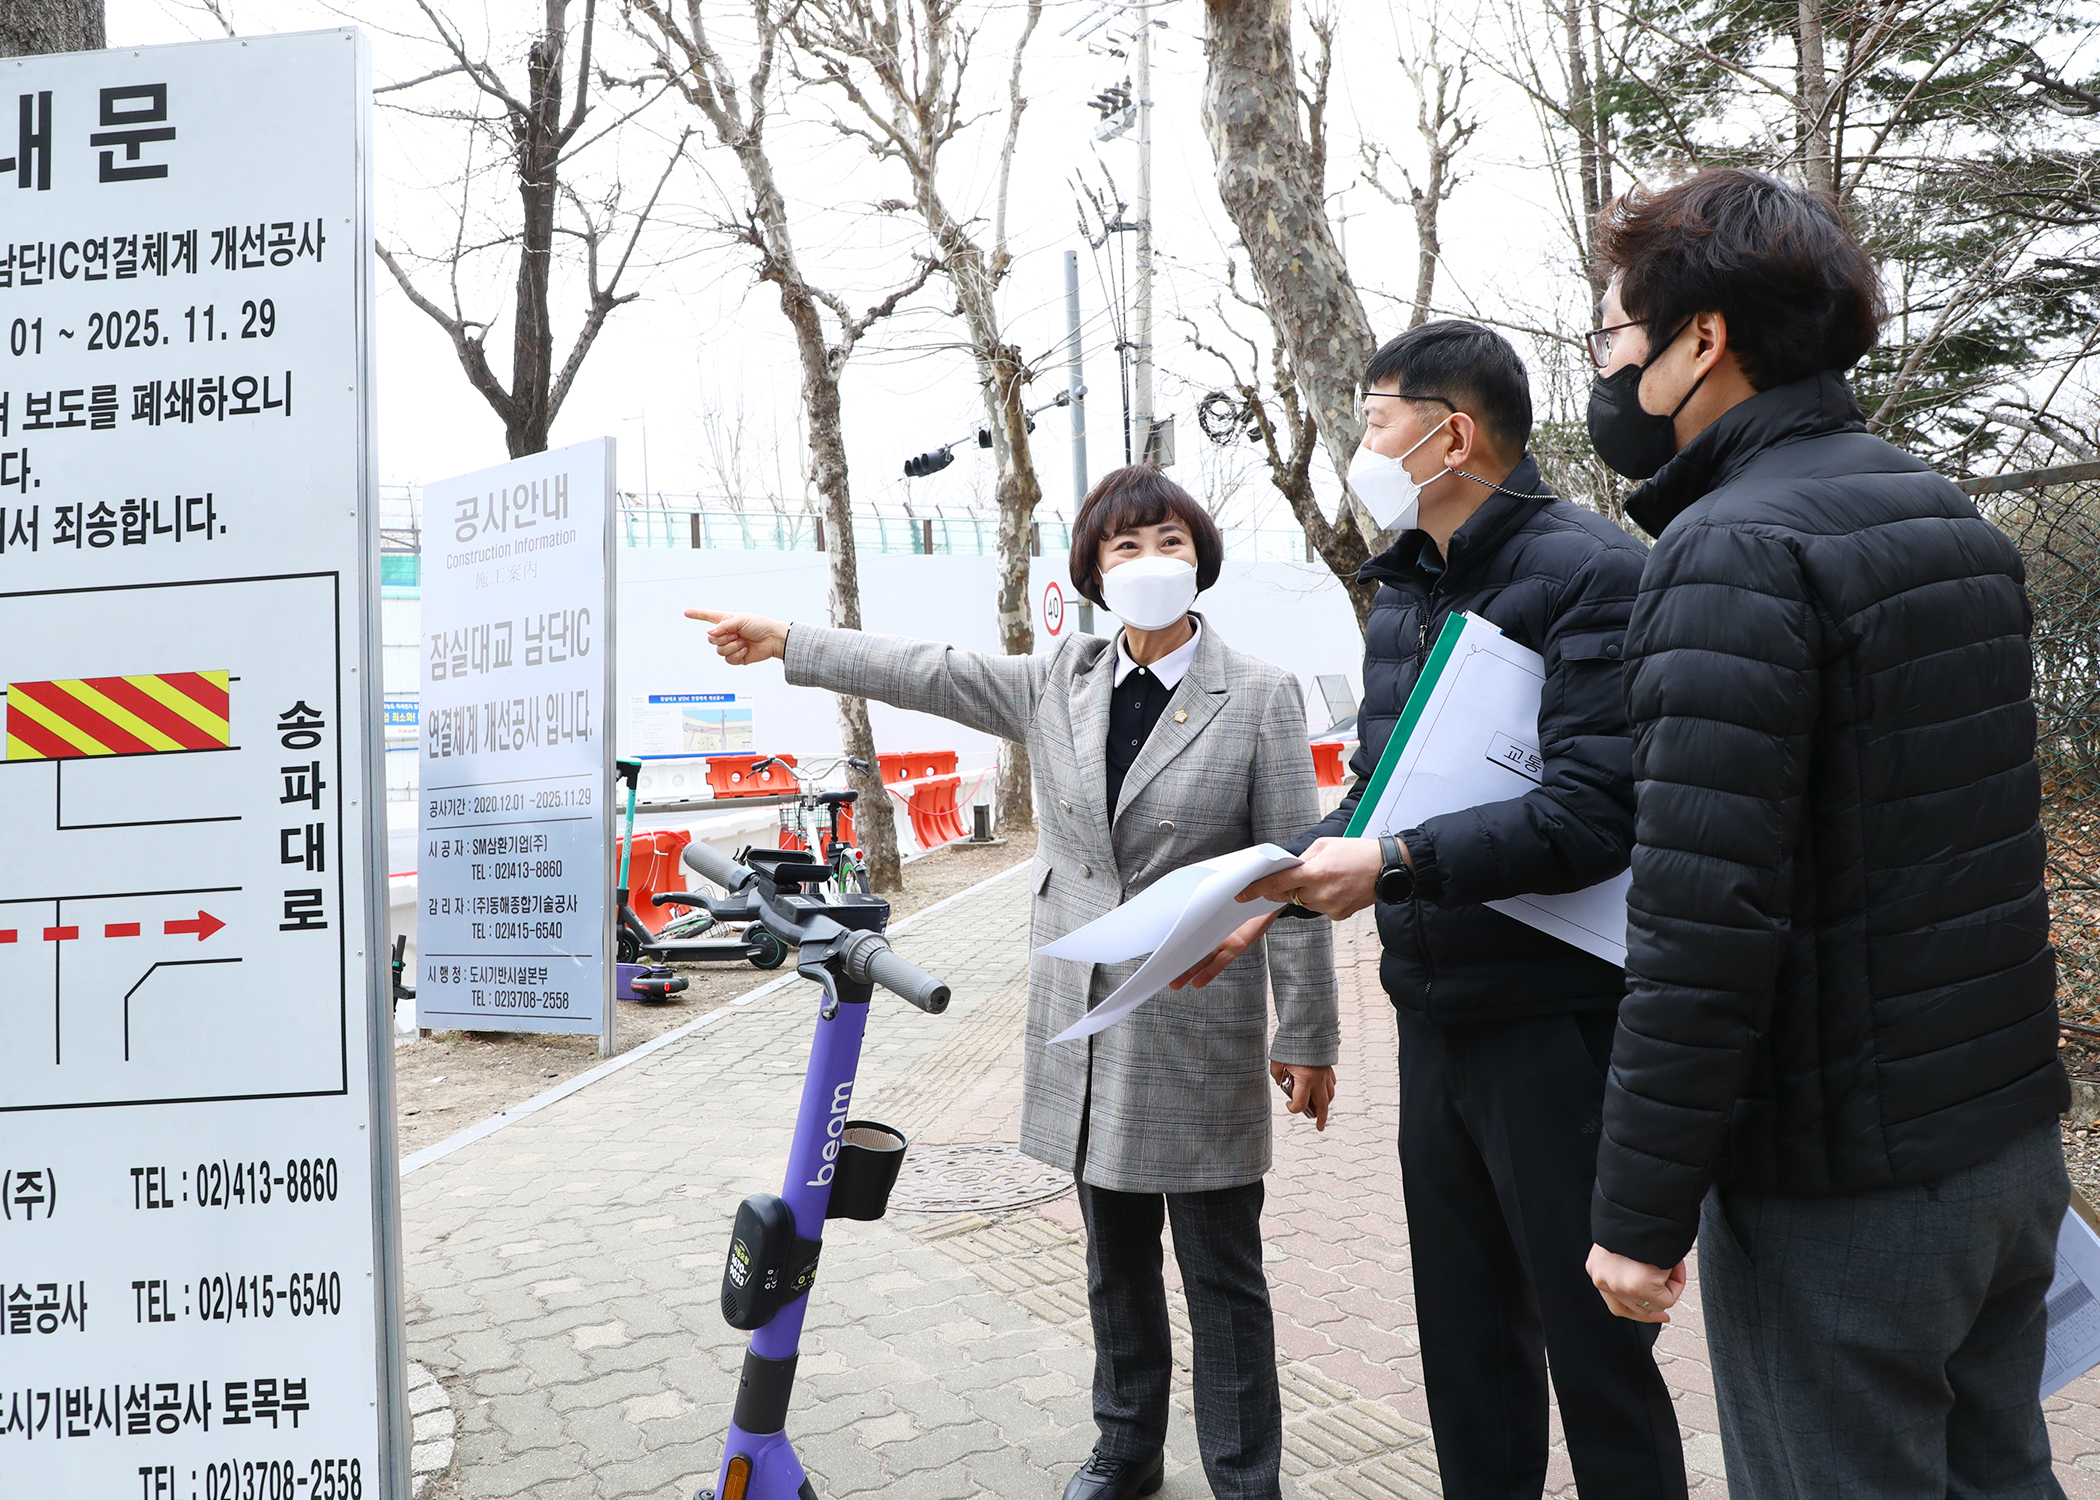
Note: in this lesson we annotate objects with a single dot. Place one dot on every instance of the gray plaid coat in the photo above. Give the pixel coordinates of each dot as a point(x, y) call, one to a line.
point(1176, 1096)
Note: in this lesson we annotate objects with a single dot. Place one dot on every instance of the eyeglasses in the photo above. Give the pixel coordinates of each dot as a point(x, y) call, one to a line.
point(1363, 396)
point(1599, 341)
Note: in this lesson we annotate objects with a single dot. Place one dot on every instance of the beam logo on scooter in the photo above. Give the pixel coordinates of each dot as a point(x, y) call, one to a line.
point(837, 1167)
point(841, 1101)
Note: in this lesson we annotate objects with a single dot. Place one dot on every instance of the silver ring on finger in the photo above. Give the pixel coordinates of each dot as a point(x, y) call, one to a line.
point(1646, 1306)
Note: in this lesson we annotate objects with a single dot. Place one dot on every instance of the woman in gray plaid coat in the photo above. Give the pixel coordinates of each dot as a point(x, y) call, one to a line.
point(1150, 752)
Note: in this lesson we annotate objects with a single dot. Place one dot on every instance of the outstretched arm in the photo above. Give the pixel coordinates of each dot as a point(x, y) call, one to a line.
point(995, 694)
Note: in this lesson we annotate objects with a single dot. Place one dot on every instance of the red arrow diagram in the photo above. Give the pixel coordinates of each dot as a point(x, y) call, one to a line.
point(204, 926)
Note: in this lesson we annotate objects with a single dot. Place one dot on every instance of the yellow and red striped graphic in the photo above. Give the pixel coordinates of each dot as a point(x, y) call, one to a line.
point(118, 715)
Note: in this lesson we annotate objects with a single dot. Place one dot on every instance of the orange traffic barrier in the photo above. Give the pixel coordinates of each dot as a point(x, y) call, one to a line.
point(654, 867)
point(951, 813)
point(732, 776)
point(915, 765)
point(1330, 768)
point(932, 811)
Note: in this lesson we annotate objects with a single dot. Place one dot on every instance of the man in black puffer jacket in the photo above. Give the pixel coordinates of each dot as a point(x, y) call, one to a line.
point(1841, 995)
point(1504, 1031)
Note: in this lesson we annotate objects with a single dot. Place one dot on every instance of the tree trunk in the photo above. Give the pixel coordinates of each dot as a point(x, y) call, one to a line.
point(1428, 248)
point(875, 825)
point(1019, 493)
point(29, 28)
point(536, 141)
point(1813, 126)
point(1267, 180)
point(1582, 113)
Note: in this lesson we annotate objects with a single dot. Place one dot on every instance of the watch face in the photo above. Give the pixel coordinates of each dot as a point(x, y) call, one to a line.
point(1396, 885)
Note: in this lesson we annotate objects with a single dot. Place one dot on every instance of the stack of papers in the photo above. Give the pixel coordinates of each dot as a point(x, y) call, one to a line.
point(1178, 919)
point(2074, 1300)
point(1470, 735)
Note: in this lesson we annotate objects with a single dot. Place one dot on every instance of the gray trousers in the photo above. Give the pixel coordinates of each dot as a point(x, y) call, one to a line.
point(1888, 1343)
point(1217, 1240)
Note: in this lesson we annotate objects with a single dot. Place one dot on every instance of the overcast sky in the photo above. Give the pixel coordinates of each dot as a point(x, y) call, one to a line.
point(705, 344)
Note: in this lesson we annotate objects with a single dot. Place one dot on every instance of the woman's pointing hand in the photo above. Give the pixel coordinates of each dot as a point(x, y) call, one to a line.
point(743, 640)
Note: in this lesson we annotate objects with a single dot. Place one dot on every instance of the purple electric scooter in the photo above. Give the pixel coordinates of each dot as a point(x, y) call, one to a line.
point(837, 1168)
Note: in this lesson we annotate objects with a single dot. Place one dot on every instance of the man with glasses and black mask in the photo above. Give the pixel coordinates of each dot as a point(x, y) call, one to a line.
point(1836, 1062)
point(1504, 1031)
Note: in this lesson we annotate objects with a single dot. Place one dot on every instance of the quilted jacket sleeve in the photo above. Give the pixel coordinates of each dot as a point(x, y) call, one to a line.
point(1723, 687)
point(1575, 828)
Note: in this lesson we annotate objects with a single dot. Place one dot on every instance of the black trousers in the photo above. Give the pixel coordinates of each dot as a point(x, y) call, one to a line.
point(1217, 1241)
point(1498, 1154)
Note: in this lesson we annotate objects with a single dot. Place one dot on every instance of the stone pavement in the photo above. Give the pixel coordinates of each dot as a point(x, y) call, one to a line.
point(563, 1273)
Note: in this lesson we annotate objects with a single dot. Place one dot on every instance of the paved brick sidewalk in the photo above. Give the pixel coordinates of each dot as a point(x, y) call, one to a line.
point(563, 1274)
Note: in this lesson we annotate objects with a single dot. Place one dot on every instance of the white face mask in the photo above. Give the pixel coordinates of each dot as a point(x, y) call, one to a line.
point(1391, 494)
point(1149, 593)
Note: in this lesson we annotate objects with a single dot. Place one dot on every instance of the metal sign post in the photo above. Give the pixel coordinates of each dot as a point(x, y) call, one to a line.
point(514, 926)
point(199, 1238)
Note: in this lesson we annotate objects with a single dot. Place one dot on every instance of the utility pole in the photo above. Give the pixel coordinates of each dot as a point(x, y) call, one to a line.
point(1141, 333)
point(1075, 381)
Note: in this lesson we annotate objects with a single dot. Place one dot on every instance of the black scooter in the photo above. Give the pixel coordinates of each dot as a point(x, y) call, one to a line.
point(635, 944)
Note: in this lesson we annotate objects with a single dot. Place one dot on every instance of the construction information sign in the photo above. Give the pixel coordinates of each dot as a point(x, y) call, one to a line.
point(514, 873)
point(198, 1221)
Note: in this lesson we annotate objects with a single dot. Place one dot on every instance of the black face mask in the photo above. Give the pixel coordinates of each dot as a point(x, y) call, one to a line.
point(1632, 441)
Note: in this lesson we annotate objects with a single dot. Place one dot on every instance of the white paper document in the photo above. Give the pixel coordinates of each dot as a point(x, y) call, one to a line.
point(1470, 735)
point(1178, 919)
point(2074, 1305)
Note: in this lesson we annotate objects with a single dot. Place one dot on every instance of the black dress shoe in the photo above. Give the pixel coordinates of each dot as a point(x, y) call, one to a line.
point(1117, 1478)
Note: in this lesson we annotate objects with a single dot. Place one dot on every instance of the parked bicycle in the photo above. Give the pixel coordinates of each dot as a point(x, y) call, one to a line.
point(813, 820)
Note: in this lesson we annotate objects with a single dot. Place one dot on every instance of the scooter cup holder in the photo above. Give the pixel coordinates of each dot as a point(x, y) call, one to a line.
point(870, 1157)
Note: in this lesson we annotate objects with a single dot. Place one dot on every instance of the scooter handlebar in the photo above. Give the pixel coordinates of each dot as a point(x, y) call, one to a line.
point(718, 867)
point(903, 977)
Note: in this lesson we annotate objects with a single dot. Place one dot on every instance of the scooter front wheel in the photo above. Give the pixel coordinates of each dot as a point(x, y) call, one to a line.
point(628, 946)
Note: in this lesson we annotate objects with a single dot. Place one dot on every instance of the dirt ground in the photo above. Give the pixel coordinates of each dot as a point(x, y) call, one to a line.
point(448, 1080)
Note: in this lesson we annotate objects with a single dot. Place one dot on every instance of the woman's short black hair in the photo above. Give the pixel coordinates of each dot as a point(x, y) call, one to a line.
point(1471, 367)
point(1779, 263)
point(1133, 496)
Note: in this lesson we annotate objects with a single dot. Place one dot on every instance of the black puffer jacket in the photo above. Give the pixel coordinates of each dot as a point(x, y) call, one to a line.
point(1560, 580)
point(1839, 974)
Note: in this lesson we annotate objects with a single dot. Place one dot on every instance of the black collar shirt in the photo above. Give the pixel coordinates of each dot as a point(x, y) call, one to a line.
point(1139, 698)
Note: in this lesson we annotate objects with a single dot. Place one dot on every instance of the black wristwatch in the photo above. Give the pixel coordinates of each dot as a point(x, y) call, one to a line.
point(1396, 882)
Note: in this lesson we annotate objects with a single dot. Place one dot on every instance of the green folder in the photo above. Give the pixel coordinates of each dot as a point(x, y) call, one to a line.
point(1410, 716)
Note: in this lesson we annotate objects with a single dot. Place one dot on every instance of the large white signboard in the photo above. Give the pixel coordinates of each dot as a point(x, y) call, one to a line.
point(514, 875)
point(197, 1225)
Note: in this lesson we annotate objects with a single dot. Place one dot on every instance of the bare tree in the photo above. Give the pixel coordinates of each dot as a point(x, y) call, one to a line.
point(540, 126)
point(1268, 136)
point(1565, 60)
point(901, 70)
point(826, 328)
point(1445, 126)
point(736, 464)
point(30, 28)
point(1266, 407)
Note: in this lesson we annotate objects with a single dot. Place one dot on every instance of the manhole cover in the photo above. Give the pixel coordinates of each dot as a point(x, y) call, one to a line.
point(963, 1179)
